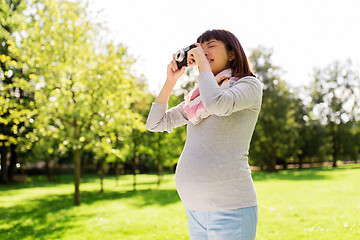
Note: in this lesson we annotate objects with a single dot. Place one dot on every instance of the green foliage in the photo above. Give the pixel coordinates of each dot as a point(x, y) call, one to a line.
point(290, 131)
point(82, 86)
point(60, 77)
point(335, 92)
point(275, 134)
point(17, 107)
point(66, 89)
point(335, 103)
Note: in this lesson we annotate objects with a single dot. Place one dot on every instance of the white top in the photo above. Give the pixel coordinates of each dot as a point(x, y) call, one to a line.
point(213, 171)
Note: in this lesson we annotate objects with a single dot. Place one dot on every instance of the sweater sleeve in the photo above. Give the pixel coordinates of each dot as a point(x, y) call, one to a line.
point(246, 93)
point(160, 119)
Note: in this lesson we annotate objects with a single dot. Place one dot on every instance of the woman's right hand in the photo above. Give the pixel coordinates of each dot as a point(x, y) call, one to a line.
point(173, 73)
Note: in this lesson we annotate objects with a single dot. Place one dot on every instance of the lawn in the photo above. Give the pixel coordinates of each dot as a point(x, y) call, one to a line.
point(316, 203)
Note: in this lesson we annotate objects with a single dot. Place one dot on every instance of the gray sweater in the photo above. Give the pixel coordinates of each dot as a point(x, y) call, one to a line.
point(213, 171)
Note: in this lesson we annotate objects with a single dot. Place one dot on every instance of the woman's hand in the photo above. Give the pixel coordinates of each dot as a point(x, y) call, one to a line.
point(173, 73)
point(197, 56)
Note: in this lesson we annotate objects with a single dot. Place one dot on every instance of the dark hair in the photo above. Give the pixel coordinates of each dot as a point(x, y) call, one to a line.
point(240, 65)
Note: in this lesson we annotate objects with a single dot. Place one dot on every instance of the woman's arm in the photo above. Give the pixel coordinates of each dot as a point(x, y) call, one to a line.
point(173, 74)
point(246, 93)
point(160, 119)
point(165, 92)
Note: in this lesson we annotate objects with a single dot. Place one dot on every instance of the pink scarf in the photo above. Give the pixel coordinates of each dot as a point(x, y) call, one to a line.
point(194, 107)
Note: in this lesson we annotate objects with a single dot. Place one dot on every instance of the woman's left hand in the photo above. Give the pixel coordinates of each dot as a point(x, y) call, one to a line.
point(197, 56)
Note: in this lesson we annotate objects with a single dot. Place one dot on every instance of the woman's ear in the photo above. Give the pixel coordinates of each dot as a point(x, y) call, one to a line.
point(231, 55)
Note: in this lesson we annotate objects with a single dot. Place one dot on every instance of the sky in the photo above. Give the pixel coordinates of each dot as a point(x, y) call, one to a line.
point(303, 35)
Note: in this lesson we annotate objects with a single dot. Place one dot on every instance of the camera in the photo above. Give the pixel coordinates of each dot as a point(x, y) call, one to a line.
point(181, 56)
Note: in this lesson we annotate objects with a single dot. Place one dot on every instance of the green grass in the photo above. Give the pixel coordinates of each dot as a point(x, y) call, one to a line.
point(317, 203)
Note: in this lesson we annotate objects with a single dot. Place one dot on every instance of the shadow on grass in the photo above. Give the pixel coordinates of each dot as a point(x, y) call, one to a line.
point(40, 181)
point(143, 198)
point(51, 216)
point(314, 173)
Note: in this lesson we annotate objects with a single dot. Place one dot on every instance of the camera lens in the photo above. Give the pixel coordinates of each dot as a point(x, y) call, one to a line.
point(179, 55)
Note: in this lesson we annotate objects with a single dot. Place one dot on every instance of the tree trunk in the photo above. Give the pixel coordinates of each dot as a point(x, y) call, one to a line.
point(117, 173)
point(4, 178)
point(48, 170)
point(270, 167)
point(159, 162)
point(58, 171)
point(334, 164)
point(300, 163)
point(12, 166)
point(135, 158)
point(335, 146)
point(160, 171)
point(271, 162)
point(77, 173)
point(102, 175)
point(134, 173)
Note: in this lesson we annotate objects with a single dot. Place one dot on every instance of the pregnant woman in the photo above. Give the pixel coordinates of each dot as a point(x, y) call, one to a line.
point(213, 178)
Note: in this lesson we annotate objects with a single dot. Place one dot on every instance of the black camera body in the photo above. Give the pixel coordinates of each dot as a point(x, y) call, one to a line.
point(181, 56)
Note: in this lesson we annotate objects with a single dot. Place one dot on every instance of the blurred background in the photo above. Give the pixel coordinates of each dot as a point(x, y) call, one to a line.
point(78, 79)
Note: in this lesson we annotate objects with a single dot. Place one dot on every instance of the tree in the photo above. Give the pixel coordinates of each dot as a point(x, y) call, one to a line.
point(272, 137)
point(311, 139)
point(350, 141)
point(336, 100)
point(162, 149)
point(16, 91)
point(85, 85)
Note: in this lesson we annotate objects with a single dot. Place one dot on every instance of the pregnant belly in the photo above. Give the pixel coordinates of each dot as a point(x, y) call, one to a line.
point(210, 168)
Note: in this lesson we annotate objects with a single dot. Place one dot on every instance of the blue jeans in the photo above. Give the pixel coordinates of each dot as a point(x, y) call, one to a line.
point(232, 224)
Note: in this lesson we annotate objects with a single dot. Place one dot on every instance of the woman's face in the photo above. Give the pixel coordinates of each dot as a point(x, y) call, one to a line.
point(217, 55)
